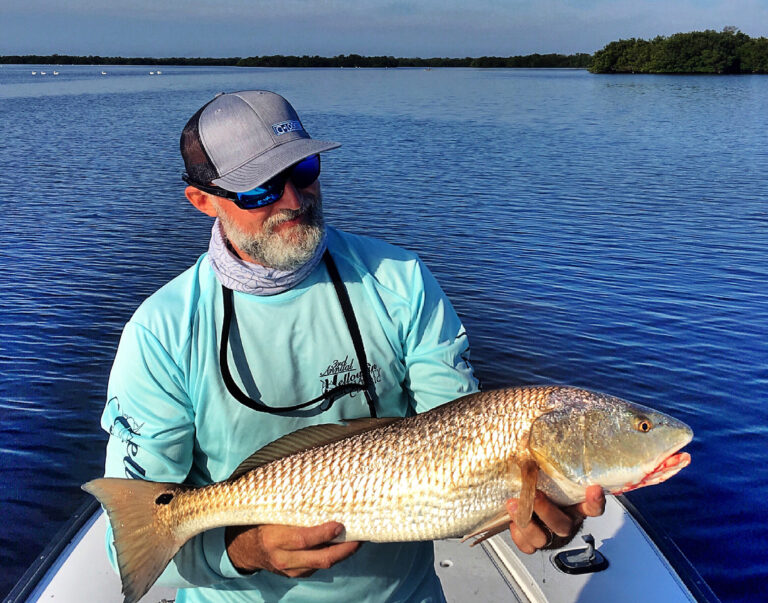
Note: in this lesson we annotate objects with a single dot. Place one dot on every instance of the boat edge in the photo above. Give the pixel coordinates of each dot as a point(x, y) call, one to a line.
point(38, 574)
point(679, 563)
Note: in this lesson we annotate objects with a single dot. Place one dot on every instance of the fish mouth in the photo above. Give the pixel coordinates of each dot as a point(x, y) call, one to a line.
point(663, 471)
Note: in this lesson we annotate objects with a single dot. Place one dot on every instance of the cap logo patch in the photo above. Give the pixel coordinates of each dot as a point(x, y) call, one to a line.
point(286, 126)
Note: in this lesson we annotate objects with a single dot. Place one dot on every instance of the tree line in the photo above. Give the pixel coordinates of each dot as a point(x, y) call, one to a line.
point(581, 61)
point(709, 51)
point(726, 52)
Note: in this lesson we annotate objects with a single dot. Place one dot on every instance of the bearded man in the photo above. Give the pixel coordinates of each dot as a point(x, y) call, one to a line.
point(284, 323)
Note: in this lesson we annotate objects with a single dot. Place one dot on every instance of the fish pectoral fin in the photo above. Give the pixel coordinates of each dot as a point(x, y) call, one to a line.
point(529, 475)
point(491, 527)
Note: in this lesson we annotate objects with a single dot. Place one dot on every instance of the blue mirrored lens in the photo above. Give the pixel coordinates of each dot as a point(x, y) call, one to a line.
point(302, 175)
point(259, 197)
point(306, 171)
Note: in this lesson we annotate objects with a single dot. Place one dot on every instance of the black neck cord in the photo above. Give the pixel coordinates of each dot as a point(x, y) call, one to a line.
point(337, 392)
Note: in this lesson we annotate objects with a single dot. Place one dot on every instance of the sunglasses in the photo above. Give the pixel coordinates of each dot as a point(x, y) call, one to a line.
point(302, 174)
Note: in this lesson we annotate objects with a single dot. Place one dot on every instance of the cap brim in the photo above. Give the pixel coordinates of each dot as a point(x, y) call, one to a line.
point(257, 171)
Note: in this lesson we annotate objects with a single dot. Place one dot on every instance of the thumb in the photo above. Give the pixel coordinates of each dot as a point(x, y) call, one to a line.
point(311, 537)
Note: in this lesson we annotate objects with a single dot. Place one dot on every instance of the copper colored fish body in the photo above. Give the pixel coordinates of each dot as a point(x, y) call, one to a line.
point(447, 472)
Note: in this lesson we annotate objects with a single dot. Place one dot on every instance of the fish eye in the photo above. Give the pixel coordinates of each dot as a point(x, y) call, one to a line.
point(642, 424)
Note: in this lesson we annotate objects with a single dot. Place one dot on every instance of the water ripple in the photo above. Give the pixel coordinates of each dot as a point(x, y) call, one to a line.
point(602, 232)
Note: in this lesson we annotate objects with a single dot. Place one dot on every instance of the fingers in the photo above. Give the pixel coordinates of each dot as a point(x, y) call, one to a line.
point(300, 551)
point(288, 550)
point(594, 505)
point(528, 539)
point(550, 521)
point(302, 563)
point(293, 538)
point(538, 533)
point(552, 516)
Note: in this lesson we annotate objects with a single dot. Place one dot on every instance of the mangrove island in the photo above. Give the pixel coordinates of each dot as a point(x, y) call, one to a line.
point(725, 52)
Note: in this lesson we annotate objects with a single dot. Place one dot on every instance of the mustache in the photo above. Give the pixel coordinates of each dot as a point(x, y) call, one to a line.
point(309, 207)
point(285, 215)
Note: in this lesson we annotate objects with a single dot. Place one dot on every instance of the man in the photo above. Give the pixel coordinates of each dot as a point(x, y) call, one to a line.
point(284, 323)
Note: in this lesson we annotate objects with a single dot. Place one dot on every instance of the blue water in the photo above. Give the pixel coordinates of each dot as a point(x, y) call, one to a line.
point(601, 231)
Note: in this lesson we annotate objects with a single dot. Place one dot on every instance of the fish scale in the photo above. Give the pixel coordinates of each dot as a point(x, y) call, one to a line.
point(446, 472)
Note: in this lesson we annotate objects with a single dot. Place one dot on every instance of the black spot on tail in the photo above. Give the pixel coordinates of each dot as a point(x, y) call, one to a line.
point(164, 499)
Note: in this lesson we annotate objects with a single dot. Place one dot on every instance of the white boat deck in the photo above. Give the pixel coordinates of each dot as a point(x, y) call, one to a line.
point(492, 571)
point(637, 570)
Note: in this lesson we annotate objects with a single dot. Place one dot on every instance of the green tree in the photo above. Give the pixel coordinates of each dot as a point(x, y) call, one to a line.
point(728, 51)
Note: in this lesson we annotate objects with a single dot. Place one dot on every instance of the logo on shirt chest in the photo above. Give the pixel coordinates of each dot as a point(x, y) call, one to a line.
point(345, 372)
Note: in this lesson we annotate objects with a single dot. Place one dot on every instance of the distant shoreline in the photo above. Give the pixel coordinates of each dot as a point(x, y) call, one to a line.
point(710, 52)
point(576, 61)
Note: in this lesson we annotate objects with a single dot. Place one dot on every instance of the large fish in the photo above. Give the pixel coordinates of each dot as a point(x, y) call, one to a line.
point(440, 474)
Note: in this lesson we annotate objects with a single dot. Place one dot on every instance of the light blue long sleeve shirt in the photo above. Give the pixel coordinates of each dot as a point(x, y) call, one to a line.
point(171, 418)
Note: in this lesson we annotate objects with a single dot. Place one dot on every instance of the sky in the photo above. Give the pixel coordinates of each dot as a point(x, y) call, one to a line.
point(401, 28)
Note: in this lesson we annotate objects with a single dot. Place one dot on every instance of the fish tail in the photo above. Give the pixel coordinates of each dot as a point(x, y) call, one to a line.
point(144, 544)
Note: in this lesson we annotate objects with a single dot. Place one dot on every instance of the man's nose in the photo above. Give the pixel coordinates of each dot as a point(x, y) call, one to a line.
point(291, 198)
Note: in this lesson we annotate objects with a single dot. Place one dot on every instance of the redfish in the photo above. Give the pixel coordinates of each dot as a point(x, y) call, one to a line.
point(444, 473)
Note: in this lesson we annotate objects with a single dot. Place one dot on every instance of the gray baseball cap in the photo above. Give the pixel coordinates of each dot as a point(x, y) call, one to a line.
point(240, 140)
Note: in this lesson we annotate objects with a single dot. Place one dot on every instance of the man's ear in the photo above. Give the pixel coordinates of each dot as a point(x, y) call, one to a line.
point(201, 200)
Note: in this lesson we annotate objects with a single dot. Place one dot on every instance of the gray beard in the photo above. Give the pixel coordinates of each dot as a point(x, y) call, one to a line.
point(284, 251)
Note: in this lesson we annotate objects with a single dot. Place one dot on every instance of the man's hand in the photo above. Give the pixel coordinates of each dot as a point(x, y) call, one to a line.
point(286, 550)
point(555, 525)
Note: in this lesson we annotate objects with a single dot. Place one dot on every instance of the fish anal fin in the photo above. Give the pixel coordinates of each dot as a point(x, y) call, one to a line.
point(491, 527)
point(306, 438)
point(529, 474)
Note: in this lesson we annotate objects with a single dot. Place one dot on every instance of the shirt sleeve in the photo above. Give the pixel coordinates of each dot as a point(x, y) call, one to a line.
point(436, 346)
point(151, 429)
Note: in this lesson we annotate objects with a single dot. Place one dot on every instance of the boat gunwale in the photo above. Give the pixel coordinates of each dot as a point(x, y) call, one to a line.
point(678, 562)
point(39, 574)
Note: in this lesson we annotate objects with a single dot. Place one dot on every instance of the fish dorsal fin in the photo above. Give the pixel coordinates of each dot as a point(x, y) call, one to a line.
point(305, 438)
